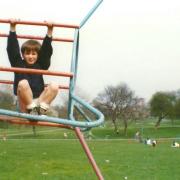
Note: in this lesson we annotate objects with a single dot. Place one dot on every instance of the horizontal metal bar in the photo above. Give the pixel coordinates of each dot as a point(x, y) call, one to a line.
point(49, 119)
point(45, 23)
point(37, 37)
point(12, 82)
point(35, 123)
point(35, 71)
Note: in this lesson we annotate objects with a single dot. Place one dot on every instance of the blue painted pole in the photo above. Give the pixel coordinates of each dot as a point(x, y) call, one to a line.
point(74, 62)
point(70, 122)
point(90, 13)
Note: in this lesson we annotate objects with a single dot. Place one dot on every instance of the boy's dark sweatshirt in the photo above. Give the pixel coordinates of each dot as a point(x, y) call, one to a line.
point(36, 81)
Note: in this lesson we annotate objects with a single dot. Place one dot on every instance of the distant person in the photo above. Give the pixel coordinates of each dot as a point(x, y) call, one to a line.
point(138, 137)
point(154, 143)
point(137, 134)
point(148, 141)
point(30, 87)
point(175, 144)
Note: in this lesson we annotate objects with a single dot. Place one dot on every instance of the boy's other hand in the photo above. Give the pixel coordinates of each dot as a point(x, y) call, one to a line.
point(13, 25)
point(50, 28)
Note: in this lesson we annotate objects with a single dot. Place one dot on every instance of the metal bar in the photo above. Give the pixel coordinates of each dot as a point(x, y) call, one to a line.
point(12, 82)
point(6, 82)
point(99, 115)
point(88, 153)
point(84, 115)
point(35, 71)
point(26, 122)
point(90, 13)
point(45, 23)
point(37, 37)
point(51, 119)
point(82, 112)
point(73, 70)
point(88, 106)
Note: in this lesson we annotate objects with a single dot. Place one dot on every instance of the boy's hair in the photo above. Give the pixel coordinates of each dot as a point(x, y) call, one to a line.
point(30, 45)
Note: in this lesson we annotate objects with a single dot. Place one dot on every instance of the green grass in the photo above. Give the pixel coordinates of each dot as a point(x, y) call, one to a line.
point(164, 132)
point(63, 159)
point(51, 156)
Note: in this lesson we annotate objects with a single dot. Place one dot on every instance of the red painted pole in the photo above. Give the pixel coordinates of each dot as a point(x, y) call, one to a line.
point(88, 153)
point(12, 82)
point(45, 23)
point(38, 37)
point(6, 82)
point(36, 71)
point(38, 123)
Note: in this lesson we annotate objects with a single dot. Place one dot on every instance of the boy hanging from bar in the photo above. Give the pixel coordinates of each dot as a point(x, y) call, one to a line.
point(33, 97)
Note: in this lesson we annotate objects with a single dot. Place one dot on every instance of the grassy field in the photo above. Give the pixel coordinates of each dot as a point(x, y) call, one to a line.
point(64, 159)
point(51, 156)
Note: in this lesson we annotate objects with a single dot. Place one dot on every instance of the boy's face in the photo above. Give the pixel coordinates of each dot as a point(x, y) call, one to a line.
point(30, 56)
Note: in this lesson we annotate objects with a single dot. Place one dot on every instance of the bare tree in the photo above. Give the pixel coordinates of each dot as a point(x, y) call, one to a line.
point(119, 103)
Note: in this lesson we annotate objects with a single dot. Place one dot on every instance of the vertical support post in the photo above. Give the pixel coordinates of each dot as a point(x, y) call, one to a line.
point(74, 64)
point(88, 153)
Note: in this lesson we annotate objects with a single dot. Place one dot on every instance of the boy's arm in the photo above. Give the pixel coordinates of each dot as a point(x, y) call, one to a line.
point(13, 46)
point(46, 49)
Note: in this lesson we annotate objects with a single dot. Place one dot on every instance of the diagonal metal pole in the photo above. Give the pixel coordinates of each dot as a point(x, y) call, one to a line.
point(88, 153)
point(90, 12)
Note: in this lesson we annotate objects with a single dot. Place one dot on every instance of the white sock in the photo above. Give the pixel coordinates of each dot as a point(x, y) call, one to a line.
point(44, 105)
point(32, 105)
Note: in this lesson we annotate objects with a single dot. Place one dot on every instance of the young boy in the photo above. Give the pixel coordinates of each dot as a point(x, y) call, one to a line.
point(30, 87)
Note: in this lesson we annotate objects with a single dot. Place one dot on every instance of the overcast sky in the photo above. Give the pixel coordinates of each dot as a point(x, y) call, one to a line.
point(131, 41)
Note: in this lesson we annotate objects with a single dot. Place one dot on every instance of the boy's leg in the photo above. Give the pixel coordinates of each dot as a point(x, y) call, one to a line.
point(25, 96)
point(21, 105)
point(47, 96)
